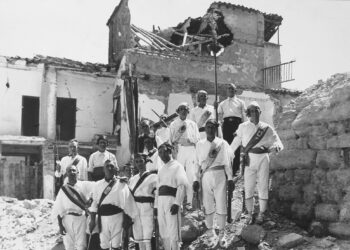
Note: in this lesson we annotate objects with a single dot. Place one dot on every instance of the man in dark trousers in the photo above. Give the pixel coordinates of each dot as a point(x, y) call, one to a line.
point(231, 113)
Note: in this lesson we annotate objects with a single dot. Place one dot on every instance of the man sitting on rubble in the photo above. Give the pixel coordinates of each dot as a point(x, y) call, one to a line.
point(70, 207)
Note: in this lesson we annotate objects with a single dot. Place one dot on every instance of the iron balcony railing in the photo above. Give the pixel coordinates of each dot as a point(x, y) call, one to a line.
point(278, 74)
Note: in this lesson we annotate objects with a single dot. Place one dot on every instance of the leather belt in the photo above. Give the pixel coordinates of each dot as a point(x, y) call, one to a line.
point(74, 214)
point(144, 199)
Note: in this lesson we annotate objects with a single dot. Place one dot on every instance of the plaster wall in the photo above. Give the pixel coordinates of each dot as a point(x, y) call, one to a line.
point(272, 55)
point(23, 80)
point(245, 26)
point(94, 97)
point(240, 62)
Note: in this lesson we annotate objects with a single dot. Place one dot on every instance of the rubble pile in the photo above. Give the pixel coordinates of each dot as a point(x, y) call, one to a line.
point(310, 179)
point(27, 224)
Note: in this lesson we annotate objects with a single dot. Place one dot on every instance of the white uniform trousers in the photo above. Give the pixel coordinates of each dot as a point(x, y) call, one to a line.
point(111, 233)
point(187, 157)
point(169, 225)
point(143, 224)
point(214, 192)
point(257, 174)
point(75, 237)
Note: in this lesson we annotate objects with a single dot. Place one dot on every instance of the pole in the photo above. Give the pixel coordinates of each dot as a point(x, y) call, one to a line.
point(216, 84)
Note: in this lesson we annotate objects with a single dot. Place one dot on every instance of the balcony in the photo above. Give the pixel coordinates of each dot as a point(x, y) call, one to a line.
point(277, 74)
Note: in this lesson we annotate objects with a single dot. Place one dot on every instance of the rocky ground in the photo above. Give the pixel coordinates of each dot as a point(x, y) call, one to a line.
point(28, 225)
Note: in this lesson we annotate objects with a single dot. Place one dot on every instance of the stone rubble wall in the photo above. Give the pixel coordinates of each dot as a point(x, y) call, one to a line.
point(310, 179)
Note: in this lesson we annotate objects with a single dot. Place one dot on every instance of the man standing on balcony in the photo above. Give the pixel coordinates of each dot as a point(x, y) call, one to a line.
point(231, 111)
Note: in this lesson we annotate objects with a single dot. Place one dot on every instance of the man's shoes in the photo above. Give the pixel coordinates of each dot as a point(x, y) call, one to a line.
point(188, 207)
point(211, 238)
point(222, 238)
point(260, 218)
point(249, 220)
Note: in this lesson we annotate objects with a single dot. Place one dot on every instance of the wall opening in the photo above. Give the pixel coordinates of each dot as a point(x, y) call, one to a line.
point(30, 115)
point(66, 118)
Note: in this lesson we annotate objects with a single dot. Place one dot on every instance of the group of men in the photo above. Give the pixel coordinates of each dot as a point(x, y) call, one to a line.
point(196, 153)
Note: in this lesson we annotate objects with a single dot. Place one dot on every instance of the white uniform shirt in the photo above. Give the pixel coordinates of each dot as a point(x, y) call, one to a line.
point(147, 187)
point(197, 112)
point(120, 196)
point(232, 107)
point(162, 135)
point(190, 135)
point(223, 157)
point(98, 159)
point(156, 163)
point(246, 131)
point(172, 174)
point(64, 205)
point(81, 166)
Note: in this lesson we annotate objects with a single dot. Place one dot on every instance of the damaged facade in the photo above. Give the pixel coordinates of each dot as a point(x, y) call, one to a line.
point(166, 67)
point(46, 102)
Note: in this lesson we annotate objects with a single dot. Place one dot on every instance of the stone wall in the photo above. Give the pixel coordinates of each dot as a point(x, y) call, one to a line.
point(310, 179)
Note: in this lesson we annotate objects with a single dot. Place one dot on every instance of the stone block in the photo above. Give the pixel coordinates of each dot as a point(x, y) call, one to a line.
point(318, 176)
point(340, 230)
point(303, 211)
point(317, 142)
point(344, 214)
point(289, 159)
point(290, 240)
point(286, 119)
point(289, 175)
point(330, 193)
point(302, 176)
point(327, 212)
point(287, 134)
point(338, 127)
point(289, 192)
point(340, 177)
point(310, 194)
point(317, 229)
point(253, 234)
point(340, 141)
point(329, 159)
point(300, 143)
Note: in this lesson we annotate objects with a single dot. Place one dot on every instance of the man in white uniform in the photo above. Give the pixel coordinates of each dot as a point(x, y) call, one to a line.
point(214, 177)
point(184, 135)
point(172, 182)
point(143, 186)
point(115, 207)
point(258, 139)
point(70, 208)
point(97, 160)
point(154, 163)
point(202, 112)
point(73, 158)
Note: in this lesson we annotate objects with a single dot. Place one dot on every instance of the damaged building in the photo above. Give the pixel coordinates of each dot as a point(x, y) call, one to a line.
point(159, 69)
point(46, 102)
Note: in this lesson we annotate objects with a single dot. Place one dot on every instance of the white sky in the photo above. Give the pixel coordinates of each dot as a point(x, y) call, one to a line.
point(316, 33)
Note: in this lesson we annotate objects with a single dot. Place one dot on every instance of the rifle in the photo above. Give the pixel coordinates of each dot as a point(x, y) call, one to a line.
point(243, 191)
point(165, 120)
point(126, 238)
point(156, 233)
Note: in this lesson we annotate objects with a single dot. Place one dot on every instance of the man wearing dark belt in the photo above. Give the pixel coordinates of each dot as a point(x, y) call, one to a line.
point(171, 186)
point(70, 207)
point(142, 187)
point(97, 160)
point(231, 111)
point(115, 207)
point(214, 178)
point(257, 139)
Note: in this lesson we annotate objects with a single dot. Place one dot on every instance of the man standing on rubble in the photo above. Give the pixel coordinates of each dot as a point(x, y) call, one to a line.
point(97, 159)
point(231, 111)
point(257, 139)
point(202, 112)
point(70, 207)
point(214, 178)
point(73, 158)
point(184, 135)
point(171, 185)
point(143, 186)
point(115, 207)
